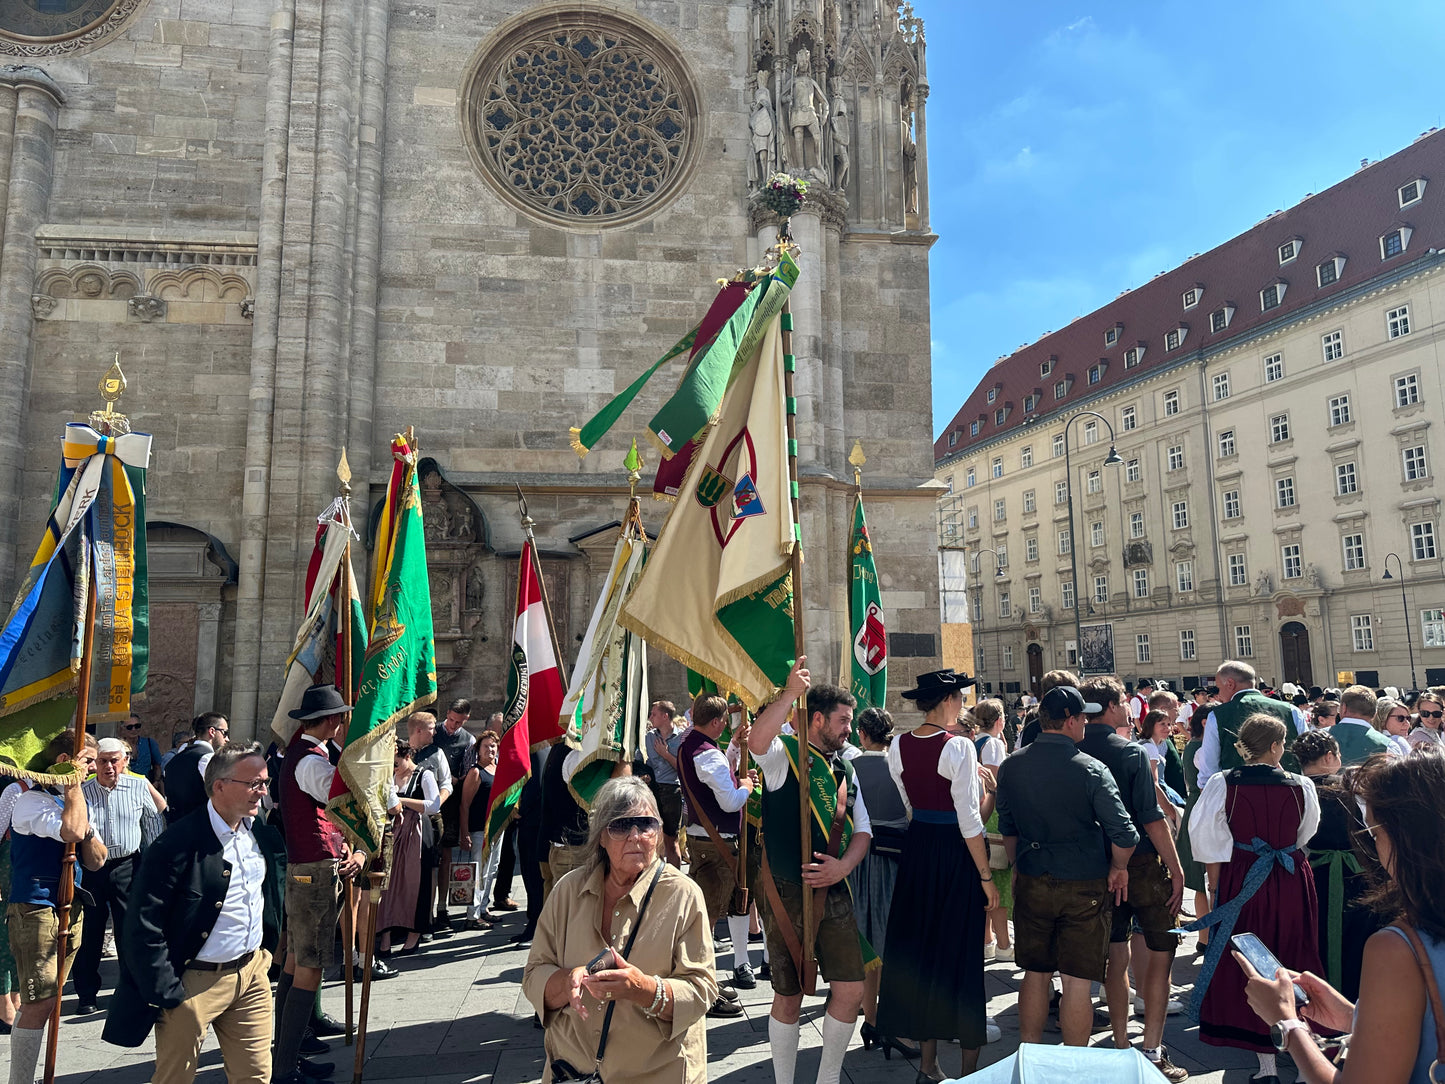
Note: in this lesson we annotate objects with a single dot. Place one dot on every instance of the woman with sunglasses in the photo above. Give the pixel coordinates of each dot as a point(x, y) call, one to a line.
point(1325, 714)
point(1431, 709)
point(623, 944)
point(1392, 719)
point(1393, 1025)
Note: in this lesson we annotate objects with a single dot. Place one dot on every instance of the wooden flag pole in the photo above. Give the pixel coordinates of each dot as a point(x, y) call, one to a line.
point(528, 523)
point(374, 899)
point(343, 684)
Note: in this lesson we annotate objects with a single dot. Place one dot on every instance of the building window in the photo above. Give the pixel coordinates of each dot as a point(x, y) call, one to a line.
point(1173, 338)
point(1432, 628)
point(1096, 534)
point(1095, 482)
point(1327, 272)
point(1354, 548)
point(1415, 466)
point(1288, 251)
point(1409, 193)
point(1181, 515)
point(1243, 642)
point(1362, 630)
point(1005, 606)
point(992, 394)
point(1231, 504)
point(1191, 297)
point(1061, 389)
point(1184, 575)
point(1226, 443)
point(1096, 373)
point(1132, 471)
point(1000, 510)
point(1026, 456)
point(1046, 367)
point(1334, 345)
point(1340, 410)
point(1284, 492)
point(1221, 386)
point(999, 416)
point(1238, 575)
point(1176, 457)
point(1132, 356)
point(1141, 583)
point(1292, 561)
point(1128, 419)
point(1141, 647)
point(1001, 557)
point(1407, 390)
point(1171, 403)
point(1008, 657)
point(1066, 543)
point(1030, 504)
point(1271, 296)
point(1068, 593)
point(1219, 318)
point(978, 654)
point(1101, 590)
point(1036, 600)
point(1030, 402)
point(1061, 492)
point(1091, 432)
point(1031, 548)
point(1273, 368)
point(1397, 321)
point(968, 478)
point(1422, 541)
point(973, 518)
point(973, 428)
point(1111, 336)
point(1186, 645)
point(1278, 428)
point(1345, 480)
point(1136, 524)
point(997, 467)
point(1393, 243)
point(1058, 445)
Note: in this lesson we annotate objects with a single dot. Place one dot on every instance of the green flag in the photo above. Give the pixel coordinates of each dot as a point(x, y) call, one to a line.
point(865, 617)
point(398, 673)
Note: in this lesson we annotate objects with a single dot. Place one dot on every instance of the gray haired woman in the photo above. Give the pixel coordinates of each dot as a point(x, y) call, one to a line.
point(624, 895)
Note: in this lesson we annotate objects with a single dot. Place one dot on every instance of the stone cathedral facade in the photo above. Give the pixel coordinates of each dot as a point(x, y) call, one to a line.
point(306, 225)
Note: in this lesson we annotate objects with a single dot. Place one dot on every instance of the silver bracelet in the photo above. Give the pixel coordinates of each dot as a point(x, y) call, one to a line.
point(659, 998)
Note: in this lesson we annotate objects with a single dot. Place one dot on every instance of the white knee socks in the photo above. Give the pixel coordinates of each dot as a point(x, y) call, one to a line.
point(837, 1034)
point(738, 933)
point(783, 1039)
point(25, 1052)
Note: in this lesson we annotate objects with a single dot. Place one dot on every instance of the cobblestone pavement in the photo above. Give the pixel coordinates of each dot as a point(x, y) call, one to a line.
point(454, 1015)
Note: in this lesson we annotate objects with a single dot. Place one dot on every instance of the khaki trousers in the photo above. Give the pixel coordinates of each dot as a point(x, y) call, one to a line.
point(238, 1005)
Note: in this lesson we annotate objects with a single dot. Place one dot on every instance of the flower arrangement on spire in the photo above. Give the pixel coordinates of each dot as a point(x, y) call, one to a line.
point(783, 194)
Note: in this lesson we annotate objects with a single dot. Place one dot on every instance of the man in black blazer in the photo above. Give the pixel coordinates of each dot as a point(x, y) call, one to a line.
point(204, 919)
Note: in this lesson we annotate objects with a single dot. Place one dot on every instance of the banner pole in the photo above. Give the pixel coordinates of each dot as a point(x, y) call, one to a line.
point(343, 684)
point(374, 899)
point(527, 524)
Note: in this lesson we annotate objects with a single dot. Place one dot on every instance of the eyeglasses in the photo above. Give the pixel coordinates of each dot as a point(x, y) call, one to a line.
point(1370, 828)
point(255, 786)
point(1432, 714)
point(1403, 718)
point(622, 827)
point(131, 726)
point(221, 731)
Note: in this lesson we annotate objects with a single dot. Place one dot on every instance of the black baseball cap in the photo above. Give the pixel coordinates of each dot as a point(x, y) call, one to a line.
point(1065, 700)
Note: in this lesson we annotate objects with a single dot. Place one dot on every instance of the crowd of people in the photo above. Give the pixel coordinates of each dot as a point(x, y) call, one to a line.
point(1072, 837)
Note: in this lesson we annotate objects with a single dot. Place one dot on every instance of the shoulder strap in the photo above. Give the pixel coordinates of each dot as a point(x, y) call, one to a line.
point(1432, 988)
point(695, 808)
point(627, 954)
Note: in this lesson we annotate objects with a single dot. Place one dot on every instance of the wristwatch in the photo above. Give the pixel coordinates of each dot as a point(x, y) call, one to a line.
point(1279, 1033)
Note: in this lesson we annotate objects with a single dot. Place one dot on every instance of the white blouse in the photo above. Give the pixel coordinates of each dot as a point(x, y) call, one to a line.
point(957, 762)
point(1209, 833)
point(994, 751)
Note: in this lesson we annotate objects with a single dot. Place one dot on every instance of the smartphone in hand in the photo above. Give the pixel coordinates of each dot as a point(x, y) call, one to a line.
point(1264, 961)
point(606, 960)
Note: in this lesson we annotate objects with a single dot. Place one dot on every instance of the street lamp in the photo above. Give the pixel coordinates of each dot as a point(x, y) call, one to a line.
point(1112, 460)
point(1405, 608)
point(997, 575)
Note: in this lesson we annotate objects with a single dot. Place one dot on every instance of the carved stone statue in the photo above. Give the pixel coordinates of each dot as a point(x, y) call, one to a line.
point(1263, 583)
point(842, 137)
point(910, 166)
point(764, 160)
point(808, 105)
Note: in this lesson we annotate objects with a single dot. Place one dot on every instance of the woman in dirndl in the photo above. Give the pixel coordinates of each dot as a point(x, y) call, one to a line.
point(402, 902)
point(932, 987)
point(875, 877)
point(1249, 827)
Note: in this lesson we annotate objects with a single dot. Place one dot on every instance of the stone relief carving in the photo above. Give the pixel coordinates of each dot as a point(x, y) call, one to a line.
point(764, 161)
point(1263, 583)
point(88, 281)
point(147, 308)
point(807, 104)
point(199, 284)
point(842, 138)
point(56, 30)
point(42, 305)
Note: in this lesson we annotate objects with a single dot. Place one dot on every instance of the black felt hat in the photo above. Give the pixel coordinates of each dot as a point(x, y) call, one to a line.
point(318, 702)
point(938, 683)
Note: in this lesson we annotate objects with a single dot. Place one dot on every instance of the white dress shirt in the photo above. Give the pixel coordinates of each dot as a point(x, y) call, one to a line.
point(238, 926)
point(1209, 832)
point(775, 768)
point(711, 766)
point(958, 763)
point(205, 757)
point(37, 813)
point(314, 774)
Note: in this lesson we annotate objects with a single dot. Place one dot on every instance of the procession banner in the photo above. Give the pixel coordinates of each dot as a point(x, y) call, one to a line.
point(398, 672)
point(90, 542)
point(869, 683)
point(532, 717)
point(717, 592)
point(330, 588)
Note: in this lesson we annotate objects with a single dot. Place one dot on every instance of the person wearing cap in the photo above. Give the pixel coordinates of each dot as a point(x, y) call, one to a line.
point(1139, 702)
point(933, 986)
point(317, 859)
point(124, 810)
point(1156, 879)
point(1052, 680)
point(1057, 807)
point(1239, 699)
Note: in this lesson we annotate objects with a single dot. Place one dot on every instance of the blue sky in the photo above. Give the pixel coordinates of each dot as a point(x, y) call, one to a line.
point(1076, 151)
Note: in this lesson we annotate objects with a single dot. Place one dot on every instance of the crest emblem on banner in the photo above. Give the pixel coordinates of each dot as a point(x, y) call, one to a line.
point(870, 646)
point(738, 458)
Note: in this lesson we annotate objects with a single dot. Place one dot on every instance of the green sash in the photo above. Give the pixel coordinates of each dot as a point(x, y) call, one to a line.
point(1338, 862)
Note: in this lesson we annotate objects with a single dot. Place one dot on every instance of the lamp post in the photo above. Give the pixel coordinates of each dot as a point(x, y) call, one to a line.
point(997, 575)
point(1405, 608)
point(1112, 460)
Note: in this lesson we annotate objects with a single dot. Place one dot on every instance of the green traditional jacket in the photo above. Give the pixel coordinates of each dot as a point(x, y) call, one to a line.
point(780, 811)
point(1231, 716)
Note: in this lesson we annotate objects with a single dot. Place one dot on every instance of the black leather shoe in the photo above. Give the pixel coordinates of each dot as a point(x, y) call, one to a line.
point(311, 1045)
point(380, 969)
point(323, 1025)
point(87, 1008)
point(315, 1070)
point(722, 1007)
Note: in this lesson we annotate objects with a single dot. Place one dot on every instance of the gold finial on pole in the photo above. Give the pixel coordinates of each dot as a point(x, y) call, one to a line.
point(856, 459)
point(633, 464)
point(343, 473)
point(112, 386)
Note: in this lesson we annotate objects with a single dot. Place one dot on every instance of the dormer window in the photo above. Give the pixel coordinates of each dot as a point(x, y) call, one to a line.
point(1289, 250)
point(1411, 192)
point(973, 428)
point(1061, 388)
point(1046, 367)
point(952, 437)
point(1395, 242)
point(1096, 373)
point(1329, 272)
point(1174, 338)
point(1192, 295)
point(1000, 415)
point(1111, 335)
point(1220, 317)
point(1031, 402)
point(992, 394)
point(1271, 296)
point(1133, 356)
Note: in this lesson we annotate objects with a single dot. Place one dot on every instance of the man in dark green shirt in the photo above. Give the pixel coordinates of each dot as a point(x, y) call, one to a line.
point(1056, 808)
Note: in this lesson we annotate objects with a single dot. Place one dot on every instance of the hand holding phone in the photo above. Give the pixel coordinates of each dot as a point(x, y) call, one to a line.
point(1263, 961)
point(606, 960)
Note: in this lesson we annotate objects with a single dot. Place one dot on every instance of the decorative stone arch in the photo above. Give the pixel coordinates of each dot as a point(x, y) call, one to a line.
point(62, 29)
point(199, 284)
point(89, 281)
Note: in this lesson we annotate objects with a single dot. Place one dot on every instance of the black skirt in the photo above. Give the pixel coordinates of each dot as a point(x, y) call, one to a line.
point(932, 986)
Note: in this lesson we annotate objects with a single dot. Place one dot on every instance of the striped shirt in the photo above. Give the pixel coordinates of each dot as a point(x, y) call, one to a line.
point(119, 814)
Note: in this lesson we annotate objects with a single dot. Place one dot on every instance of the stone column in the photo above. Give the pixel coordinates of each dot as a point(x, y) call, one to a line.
point(807, 307)
point(920, 140)
point(256, 486)
point(32, 164)
point(208, 637)
point(9, 96)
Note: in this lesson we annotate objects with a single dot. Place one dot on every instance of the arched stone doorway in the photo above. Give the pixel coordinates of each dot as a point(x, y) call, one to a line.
point(1294, 654)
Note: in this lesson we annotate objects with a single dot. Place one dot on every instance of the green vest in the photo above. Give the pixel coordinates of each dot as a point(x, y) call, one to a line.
point(1231, 716)
point(1358, 742)
point(781, 813)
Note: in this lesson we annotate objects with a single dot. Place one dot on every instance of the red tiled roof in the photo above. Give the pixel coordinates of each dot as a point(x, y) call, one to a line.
point(1346, 220)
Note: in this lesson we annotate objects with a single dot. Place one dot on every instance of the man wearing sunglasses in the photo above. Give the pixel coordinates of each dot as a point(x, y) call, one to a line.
point(185, 774)
point(145, 757)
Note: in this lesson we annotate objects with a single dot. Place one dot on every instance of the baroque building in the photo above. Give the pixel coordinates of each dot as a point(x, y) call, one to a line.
point(1275, 407)
point(306, 226)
